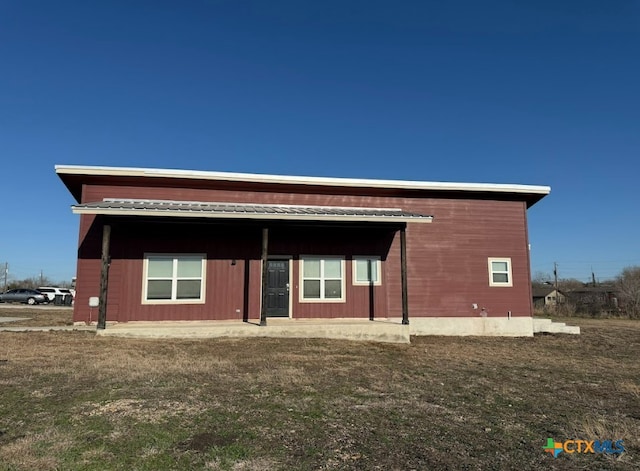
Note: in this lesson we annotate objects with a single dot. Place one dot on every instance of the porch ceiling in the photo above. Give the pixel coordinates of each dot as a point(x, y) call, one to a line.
point(203, 209)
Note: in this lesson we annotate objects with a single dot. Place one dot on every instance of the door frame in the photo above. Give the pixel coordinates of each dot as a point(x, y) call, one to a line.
point(288, 259)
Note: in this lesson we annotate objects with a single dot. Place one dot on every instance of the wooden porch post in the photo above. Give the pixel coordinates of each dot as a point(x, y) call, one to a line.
point(265, 255)
point(372, 297)
point(104, 276)
point(403, 274)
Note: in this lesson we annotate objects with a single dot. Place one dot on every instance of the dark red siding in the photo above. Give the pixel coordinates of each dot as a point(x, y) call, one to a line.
point(447, 259)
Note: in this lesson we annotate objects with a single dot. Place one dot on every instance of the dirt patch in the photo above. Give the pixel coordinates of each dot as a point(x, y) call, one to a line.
point(204, 441)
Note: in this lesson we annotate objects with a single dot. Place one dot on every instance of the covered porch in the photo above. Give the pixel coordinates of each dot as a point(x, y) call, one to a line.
point(390, 331)
point(235, 237)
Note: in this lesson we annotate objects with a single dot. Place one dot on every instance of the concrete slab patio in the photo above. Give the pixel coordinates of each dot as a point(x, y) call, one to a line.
point(346, 329)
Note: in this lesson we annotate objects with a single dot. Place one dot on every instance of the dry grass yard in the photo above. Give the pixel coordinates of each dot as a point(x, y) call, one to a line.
point(70, 400)
point(37, 316)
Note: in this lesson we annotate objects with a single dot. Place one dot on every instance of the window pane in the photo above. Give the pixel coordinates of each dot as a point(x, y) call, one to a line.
point(311, 289)
point(500, 278)
point(189, 268)
point(374, 270)
point(311, 268)
point(188, 289)
point(332, 269)
point(499, 266)
point(362, 271)
point(332, 289)
point(159, 289)
point(160, 267)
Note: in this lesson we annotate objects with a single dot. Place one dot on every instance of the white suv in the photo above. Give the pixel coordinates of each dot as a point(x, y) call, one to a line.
point(51, 291)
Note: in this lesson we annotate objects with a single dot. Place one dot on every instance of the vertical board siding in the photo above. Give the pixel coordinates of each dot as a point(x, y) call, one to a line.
point(88, 268)
point(447, 260)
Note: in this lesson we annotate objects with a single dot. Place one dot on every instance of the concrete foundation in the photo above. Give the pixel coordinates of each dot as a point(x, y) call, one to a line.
point(381, 330)
point(347, 329)
point(481, 326)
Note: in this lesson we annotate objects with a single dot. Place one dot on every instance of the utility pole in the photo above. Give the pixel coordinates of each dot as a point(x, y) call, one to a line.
point(555, 283)
point(41, 277)
point(6, 274)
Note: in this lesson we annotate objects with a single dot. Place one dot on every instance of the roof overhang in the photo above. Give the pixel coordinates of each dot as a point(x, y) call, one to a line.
point(214, 210)
point(74, 175)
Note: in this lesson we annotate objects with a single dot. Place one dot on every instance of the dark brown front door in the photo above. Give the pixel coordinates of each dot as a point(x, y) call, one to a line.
point(277, 301)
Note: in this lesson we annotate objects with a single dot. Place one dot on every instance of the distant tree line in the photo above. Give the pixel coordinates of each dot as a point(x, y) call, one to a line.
point(628, 283)
point(35, 281)
point(619, 296)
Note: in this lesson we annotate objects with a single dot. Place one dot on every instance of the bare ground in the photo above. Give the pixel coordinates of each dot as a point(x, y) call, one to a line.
point(70, 400)
point(36, 316)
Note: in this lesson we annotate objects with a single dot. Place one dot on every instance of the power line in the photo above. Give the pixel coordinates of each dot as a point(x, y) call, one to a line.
point(627, 261)
point(587, 273)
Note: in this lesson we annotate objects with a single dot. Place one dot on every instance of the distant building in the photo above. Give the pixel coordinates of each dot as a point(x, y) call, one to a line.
point(547, 296)
point(594, 299)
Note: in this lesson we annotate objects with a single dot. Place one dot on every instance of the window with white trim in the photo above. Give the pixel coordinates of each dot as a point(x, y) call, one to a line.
point(366, 271)
point(322, 279)
point(500, 272)
point(173, 278)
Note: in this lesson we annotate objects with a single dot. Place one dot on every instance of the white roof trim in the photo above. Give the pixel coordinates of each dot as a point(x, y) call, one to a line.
point(298, 180)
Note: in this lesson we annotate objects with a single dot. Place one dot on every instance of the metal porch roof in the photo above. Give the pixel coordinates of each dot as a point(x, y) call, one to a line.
point(203, 209)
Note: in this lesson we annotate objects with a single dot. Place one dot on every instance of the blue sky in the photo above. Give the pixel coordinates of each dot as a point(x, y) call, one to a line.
point(534, 92)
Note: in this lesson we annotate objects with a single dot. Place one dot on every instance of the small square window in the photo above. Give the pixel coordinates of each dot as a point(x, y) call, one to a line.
point(366, 271)
point(500, 272)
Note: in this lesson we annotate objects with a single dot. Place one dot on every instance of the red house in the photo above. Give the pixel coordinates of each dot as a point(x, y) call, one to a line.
point(167, 245)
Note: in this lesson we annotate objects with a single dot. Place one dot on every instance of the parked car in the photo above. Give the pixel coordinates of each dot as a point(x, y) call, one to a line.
point(51, 291)
point(23, 295)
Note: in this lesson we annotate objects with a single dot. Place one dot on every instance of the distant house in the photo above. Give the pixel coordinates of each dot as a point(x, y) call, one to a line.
point(547, 296)
point(594, 299)
point(165, 245)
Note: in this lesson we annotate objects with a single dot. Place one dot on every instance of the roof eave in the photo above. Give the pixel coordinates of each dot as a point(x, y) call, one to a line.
point(535, 192)
point(252, 216)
